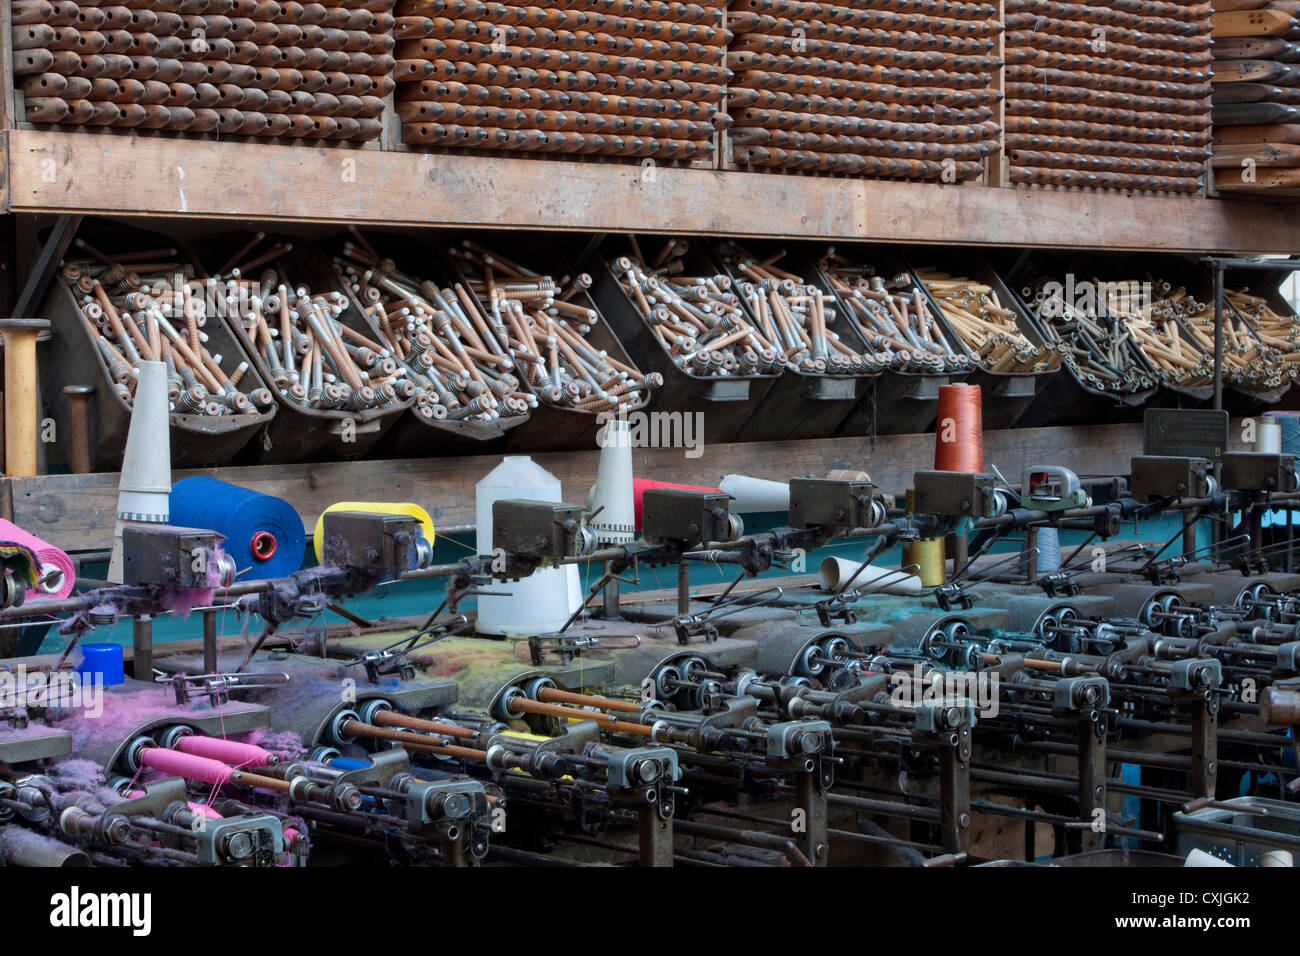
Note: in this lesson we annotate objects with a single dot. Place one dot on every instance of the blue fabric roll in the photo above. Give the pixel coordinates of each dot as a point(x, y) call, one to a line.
point(246, 518)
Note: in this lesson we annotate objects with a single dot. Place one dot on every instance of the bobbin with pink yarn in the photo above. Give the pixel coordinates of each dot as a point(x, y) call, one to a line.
point(56, 585)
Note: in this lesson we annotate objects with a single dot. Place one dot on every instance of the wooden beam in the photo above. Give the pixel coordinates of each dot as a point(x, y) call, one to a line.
point(75, 512)
point(102, 173)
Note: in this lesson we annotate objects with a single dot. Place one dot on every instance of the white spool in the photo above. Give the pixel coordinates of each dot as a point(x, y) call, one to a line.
point(1277, 858)
point(1268, 435)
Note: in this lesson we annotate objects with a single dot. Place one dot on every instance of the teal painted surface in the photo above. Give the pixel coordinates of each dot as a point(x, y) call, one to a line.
point(412, 598)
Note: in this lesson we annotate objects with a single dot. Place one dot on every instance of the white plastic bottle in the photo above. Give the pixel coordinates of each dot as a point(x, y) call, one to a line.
point(543, 601)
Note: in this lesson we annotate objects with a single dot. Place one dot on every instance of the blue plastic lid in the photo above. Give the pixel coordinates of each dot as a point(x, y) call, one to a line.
point(104, 659)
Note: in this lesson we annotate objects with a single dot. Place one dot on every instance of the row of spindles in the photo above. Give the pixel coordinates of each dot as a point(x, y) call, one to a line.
point(1108, 96)
point(260, 68)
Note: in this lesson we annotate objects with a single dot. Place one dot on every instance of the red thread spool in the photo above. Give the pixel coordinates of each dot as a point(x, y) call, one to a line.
point(959, 432)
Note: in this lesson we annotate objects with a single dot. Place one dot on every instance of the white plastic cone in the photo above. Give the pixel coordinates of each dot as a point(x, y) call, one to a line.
point(144, 489)
point(612, 493)
point(756, 494)
point(835, 574)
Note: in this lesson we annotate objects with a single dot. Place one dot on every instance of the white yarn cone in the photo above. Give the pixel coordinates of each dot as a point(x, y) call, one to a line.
point(144, 489)
point(612, 493)
point(756, 494)
point(834, 574)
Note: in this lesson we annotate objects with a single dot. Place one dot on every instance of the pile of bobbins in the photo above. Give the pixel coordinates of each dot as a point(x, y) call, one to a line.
point(547, 334)
point(635, 78)
point(266, 68)
point(1130, 336)
point(698, 319)
point(1113, 96)
point(893, 317)
point(315, 360)
point(1261, 349)
point(439, 337)
point(147, 306)
point(984, 325)
point(890, 89)
point(795, 316)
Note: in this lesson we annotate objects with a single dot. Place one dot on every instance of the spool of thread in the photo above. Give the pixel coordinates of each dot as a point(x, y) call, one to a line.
point(58, 575)
point(1289, 422)
point(263, 533)
point(1049, 550)
point(928, 555)
point(1268, 435)
point(1277, 858)
point(959, 430)
point(104, 660)
point(185, 765)
point(228, 751)
point(379, 507)
point(641, 485)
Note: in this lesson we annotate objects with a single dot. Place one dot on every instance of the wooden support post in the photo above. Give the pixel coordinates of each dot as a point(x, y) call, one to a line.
point(142, 648)
point(77, 449)
point(22, 420)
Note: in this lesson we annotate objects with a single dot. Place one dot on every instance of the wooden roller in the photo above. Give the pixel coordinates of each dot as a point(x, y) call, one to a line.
point(1261, 154)
point(1256, 23)
point(1256, 48)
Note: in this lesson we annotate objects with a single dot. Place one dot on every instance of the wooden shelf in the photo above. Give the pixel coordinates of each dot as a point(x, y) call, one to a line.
point(76, 512)
point(142, 176)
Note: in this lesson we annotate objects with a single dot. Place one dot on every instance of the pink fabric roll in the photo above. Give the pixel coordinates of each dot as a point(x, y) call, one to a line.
point(51, 558)
point(227, 751)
